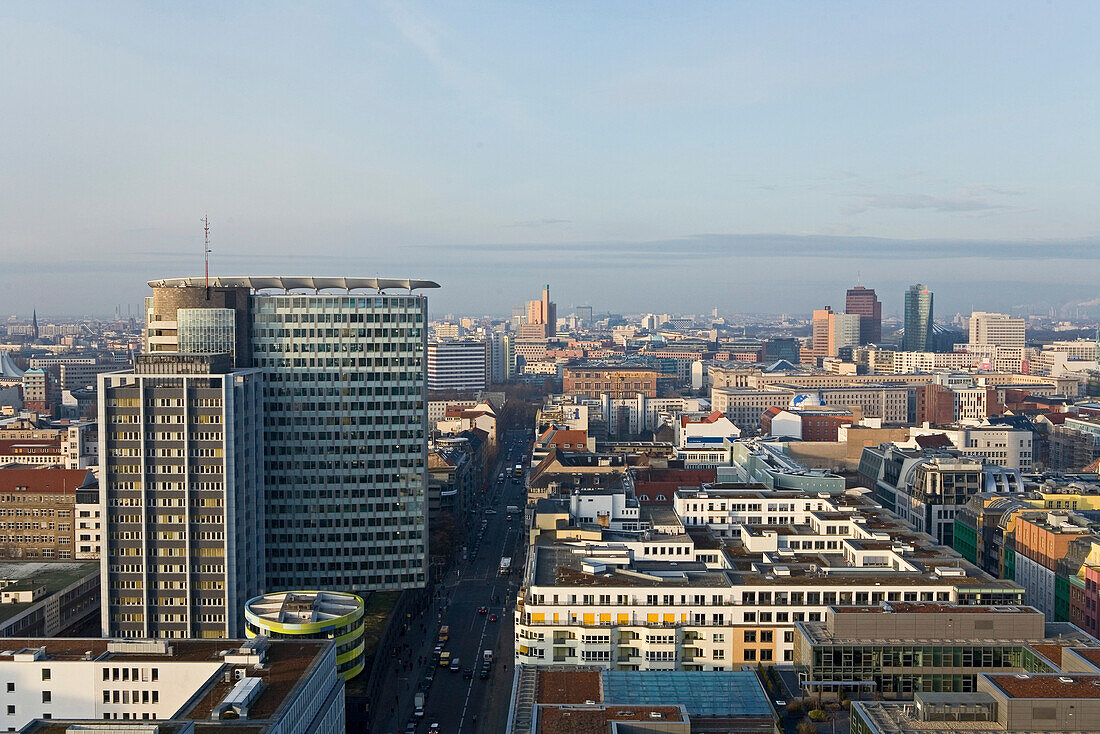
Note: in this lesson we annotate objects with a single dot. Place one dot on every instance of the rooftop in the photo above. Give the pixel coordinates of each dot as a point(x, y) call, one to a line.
point(288, 283)
point(597, 719)
point(54, 576)
point(1048, 686)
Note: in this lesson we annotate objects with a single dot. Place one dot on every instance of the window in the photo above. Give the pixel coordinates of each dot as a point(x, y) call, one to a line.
point(45, 673)
point(750, 635)
point(11, 687)
point(47, 697)
point(11, 710)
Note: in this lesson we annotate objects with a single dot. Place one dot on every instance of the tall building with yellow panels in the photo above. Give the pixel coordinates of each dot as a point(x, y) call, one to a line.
point(327, 615)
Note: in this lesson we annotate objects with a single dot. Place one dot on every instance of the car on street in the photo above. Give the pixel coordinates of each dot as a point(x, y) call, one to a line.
point(467, 673)
point(483, 610)
point(493, 617)
point(490, 511)
point(410, 728)
point(444, 659)
point(484, 674)
point(455, 665)
point(433, 728)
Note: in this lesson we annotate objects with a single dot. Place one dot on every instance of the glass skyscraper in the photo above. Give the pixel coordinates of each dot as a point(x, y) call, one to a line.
point(344, 416)
point(345, 442)
point(918, 319)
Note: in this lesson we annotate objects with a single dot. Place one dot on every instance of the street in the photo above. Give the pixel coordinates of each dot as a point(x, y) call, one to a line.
point(457, 703)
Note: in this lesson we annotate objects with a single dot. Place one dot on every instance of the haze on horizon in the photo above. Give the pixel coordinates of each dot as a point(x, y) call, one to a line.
point(665, 157)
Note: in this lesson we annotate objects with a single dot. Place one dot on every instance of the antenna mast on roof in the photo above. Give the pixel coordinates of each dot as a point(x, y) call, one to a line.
point(206, 251)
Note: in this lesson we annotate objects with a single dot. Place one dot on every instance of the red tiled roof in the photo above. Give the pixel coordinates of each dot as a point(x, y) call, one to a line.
point(46, 479)
point(934, 441)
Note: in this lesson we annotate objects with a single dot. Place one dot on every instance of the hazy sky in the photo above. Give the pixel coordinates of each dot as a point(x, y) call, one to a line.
point(655, 156)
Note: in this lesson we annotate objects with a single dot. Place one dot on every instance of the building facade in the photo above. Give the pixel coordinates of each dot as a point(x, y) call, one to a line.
point(865, 303)
point(459, 366)
point(182, 496)
point(918, 320)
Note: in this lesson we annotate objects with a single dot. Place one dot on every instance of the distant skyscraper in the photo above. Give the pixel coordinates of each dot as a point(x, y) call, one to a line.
point(345, 416)
point(918, 319)
point(833, 331)
point(542, 318)
point(181, 495)
point(584, 313)
point(864, 302)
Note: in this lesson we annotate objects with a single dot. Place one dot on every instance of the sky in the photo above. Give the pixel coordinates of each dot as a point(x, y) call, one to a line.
point(637, 156)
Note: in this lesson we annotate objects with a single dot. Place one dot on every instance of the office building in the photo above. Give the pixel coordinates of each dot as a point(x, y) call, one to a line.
point(542, 318)
point(864, 302)
point(38, 509)
point(48, 598)
point(345, 423)
point(302, 615)
point(996, 330)
point(458, 366)
point(918, 320)
point(897, 649)
point(1015, 703)
point(255, 686)
point(615, 381)
point(39, 390)
point(182, 496)
point(833, 331)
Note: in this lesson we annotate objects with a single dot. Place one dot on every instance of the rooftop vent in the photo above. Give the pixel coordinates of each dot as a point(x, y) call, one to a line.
point(656, 715)
point(1063, 679)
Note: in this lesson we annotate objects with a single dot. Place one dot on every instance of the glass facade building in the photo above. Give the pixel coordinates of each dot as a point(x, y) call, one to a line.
point(918, 319)
point(206, 330)
point(345, 443)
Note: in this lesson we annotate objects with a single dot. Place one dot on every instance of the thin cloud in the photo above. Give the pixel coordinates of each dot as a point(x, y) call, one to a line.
point(540, 222)
point(943, 204)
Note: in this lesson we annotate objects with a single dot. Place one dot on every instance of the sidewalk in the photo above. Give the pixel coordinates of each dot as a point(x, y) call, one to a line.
point(396, 694)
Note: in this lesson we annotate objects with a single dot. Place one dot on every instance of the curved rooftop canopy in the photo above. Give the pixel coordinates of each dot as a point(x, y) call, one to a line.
point(291, 282)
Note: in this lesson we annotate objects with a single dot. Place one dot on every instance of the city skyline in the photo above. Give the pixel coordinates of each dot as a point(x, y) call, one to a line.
point(708, 151)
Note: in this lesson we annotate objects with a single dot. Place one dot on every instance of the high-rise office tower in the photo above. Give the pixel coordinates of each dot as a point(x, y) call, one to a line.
point(181, 496)
point(918, 319)
point(996, 330)
point(864, 301)
point(542, 318)
point(833, 331)
point(345, 424)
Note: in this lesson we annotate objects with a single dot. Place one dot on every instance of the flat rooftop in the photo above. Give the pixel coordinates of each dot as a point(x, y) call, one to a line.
point(903, 607)
point(703, 693)
point(287, 662)
point(569, 686)
point(1048, 686)
point(596, 719)
point(53, 575)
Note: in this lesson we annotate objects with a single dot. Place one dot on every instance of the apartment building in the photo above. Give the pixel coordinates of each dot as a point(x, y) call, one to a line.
point(182, 496)
point(260, 685)
point(725, 585)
